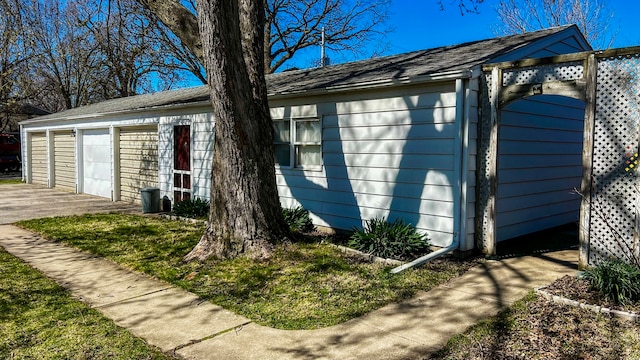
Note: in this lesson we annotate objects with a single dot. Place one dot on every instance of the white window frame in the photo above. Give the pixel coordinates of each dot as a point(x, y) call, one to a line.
point(293, 144)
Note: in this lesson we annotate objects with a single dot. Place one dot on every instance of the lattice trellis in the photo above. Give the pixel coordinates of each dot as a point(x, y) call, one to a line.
point(482, 223)
point(613, 229)
point(538, 74)
point(611, 220)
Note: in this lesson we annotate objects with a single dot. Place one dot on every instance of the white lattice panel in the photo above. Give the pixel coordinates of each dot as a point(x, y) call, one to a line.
point(543, 73)
point(483, 152)
point(613, 229)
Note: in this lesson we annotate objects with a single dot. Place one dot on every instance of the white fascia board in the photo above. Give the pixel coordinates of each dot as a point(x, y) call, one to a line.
point(116, 113)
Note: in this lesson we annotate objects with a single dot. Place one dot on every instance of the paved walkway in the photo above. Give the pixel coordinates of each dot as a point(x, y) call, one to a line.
point(172, 319)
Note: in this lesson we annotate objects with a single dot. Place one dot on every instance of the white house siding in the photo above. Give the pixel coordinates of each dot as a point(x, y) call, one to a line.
point(138, 160)
point(202, 154)
point(38, 158)
point(201, 121)
point(385, 154)
point(558, 44)
point(64, 167)
point(539, 164)
point(471, 113)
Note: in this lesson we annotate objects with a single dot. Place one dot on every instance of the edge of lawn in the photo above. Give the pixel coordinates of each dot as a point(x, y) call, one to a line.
point(317, 284)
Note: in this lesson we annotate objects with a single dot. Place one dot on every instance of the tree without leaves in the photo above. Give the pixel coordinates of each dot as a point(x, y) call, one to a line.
point(16, 57)
point(591, 17)
point(292, 25)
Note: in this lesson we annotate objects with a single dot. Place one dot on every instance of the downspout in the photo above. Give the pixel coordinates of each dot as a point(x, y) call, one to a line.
point(462, 149)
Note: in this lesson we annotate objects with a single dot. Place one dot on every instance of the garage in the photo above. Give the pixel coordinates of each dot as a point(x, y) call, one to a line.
point(38, 157)
point(138, 151)
point(64, 160)
point(96, 162)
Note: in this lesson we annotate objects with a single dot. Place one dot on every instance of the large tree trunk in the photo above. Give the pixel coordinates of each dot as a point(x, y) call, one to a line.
point(245, 216)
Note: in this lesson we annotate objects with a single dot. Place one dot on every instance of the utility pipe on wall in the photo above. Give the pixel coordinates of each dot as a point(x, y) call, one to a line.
point(461, 183)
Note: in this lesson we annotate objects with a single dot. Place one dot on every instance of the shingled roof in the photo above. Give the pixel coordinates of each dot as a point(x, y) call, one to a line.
point(402, 67)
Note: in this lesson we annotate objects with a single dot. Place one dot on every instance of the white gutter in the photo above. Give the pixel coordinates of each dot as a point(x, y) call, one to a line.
point(460, 211)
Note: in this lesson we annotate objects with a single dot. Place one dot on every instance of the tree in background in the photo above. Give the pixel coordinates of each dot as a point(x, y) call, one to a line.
point(591, 17)
point(16, 57)
point(58, 54)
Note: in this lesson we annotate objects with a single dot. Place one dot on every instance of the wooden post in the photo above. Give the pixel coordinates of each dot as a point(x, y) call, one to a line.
point(489, 237)
point(587, 160)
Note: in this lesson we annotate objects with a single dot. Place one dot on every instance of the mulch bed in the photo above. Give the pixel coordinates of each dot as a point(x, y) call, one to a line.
point(578, 289)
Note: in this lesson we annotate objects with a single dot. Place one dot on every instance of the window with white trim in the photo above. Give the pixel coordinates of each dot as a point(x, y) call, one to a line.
point(298, 142)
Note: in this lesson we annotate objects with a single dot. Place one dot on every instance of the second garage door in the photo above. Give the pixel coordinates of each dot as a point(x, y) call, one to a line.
point(64, 160)
point(96, 162)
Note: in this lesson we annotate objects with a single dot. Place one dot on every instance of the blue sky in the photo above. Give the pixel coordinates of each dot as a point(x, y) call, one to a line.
point(420, 24)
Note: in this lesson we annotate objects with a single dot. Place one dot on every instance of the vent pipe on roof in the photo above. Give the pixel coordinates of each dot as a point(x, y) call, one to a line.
point(324, 60)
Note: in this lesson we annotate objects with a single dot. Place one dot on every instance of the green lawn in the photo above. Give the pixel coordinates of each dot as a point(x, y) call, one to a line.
point(10, 181)
point(303, 286)
point(39, 320)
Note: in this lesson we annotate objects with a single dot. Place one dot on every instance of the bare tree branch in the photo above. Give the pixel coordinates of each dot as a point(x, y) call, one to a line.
point(591, 16)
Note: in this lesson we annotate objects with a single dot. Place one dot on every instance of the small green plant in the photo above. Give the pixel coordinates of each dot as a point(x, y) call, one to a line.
point(192, 208)
point(617, 280)
point(298, 219)
point(389, 239)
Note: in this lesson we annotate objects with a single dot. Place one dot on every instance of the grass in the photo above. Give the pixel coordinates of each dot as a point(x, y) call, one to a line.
point(39, 320)
point(535, 328)
point(10, 181)
point(317, 285)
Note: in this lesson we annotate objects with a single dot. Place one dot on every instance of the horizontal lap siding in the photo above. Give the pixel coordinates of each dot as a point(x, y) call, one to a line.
point(383, 157)
point(539, 165)
point(64, 160)
point(138, 161)
point(39, 158)
point(202, 153)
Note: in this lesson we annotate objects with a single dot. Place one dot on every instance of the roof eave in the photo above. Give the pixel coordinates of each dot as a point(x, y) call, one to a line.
point(377, 84)
point(116, 113)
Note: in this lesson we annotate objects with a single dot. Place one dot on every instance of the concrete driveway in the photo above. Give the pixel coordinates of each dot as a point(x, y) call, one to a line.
point(28, 201)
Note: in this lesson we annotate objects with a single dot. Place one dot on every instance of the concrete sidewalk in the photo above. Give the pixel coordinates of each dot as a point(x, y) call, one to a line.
point(175, 320)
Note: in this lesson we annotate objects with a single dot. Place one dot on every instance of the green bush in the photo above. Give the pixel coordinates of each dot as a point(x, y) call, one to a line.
point(389, 240)
point(616, 280)
point(192, 208)
point(298, 219)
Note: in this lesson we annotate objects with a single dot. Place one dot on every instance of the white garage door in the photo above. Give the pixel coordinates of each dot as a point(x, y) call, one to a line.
point(96, 161)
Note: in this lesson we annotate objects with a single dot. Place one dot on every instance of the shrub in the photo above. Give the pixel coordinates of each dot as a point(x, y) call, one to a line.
point(616, 280)
point(389, 240)
point(192, 208)
point(298, 219)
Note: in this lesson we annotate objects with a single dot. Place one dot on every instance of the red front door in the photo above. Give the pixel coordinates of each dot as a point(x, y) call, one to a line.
point(181, 163)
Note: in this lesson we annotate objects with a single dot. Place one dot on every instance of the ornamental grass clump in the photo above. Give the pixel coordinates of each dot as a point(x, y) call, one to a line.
point(194, 208)
point(395, 240)
point(617, 280)
point(298, 219)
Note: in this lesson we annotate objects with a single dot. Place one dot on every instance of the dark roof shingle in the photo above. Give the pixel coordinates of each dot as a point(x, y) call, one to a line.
point(395, 67)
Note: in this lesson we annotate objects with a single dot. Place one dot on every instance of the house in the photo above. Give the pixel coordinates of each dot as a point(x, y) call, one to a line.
point(394, 137)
